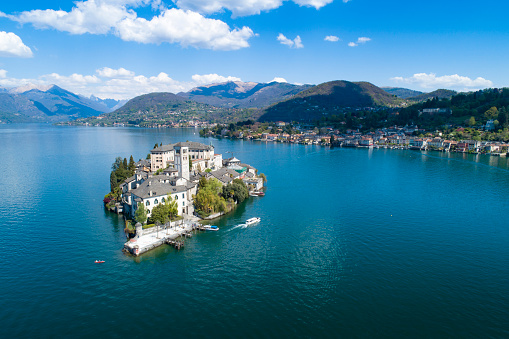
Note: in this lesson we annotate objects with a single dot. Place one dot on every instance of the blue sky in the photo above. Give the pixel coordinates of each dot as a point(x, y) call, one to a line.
point(123, 48)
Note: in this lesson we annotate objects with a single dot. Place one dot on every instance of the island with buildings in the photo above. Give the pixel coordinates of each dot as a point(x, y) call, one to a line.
point(175, 188)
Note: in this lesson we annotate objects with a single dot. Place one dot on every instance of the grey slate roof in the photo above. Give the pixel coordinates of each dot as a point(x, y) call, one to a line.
point(192, 145)
point(144, 162)
point(157, 188)
point(225, 175)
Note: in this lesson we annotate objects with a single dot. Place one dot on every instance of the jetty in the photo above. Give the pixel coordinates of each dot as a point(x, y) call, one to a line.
point(172, 234)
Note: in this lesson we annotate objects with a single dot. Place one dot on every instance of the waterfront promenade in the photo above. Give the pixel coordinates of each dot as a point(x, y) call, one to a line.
point(159, 235)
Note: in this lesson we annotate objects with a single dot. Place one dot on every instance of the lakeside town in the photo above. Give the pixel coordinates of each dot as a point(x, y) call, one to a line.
point(395, 137)
point(165, 196)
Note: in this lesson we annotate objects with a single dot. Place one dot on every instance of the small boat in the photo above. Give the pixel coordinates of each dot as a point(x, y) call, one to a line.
point(257, 194)
point(251, 221)
point(99, 261)
point(210, 228)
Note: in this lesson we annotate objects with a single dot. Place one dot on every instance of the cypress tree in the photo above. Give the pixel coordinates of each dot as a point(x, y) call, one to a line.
point(132, 165)
point(113, 181)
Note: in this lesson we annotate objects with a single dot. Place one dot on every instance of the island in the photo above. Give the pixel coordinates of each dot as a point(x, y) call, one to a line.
point(176, 187)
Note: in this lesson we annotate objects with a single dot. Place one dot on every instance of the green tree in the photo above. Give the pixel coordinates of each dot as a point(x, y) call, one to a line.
point(132, 165)
point(160, 214)
point(502, 117)
point(236, 190)
point(113, 181)
point(208, 201)
point(172, 207)
point(491, 113)
point(141, 214)
point(471, 121)
point(116, 164)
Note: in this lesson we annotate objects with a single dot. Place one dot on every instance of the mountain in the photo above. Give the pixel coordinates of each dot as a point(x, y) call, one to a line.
point(108, 105)
point(243, 94)
point(439, 93)
point(329, 98)
point(403, 93)
point(154, 108)
point(35, 103)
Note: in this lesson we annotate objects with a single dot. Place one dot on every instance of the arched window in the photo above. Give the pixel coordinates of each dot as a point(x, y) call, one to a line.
point(183, 196)
point(163, 201)
point(148, 211)
point(176, 196)
point(147, 203)
point(156, 202)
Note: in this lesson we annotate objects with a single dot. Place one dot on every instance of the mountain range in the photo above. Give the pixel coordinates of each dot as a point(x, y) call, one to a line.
point(32, 103)
point(237, 94)
point(226, 101)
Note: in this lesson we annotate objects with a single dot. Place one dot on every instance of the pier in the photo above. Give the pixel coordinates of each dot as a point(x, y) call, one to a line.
point(148, 239)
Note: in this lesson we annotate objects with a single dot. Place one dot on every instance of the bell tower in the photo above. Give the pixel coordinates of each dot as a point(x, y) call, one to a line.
point(182, 161)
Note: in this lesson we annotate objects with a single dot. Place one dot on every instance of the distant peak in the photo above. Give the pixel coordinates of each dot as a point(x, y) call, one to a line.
point(30, 86)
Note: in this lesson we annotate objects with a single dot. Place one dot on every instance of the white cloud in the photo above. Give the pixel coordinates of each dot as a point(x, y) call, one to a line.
point(243, 7)
point(71, 80)
point(237, 7)
point(295, 43)
point(107, 72)
point(118, 17)
point(185, 27)
point(12, 46)
point(278, 79)
point(431, 81)
point(313, 3)
point(206, 79)
point(331, 38)
point(3, 73)
point(361, 40)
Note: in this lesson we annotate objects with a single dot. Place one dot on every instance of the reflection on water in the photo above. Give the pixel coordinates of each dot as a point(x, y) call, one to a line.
point(351, 243)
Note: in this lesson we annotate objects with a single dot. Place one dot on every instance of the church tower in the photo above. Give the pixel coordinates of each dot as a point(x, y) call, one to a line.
point(182, 161)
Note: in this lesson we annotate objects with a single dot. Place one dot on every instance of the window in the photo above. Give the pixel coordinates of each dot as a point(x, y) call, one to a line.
point(147, 203)
point(183, 203)
point(176, 197)
point(148, 211)
point(163, 201)
point(183, 196)
point(156, 202)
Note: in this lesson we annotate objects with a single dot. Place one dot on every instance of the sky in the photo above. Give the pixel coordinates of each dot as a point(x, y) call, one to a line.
point(123, 48)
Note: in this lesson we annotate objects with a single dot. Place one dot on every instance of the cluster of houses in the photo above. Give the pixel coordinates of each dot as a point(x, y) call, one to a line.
point(174, 170)
point(395, 137)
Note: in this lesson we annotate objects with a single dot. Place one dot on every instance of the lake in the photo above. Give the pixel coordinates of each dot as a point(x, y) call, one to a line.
point(352, 243)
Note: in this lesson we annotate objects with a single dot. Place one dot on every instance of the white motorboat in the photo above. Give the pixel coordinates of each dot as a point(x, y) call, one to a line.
point(251, 221)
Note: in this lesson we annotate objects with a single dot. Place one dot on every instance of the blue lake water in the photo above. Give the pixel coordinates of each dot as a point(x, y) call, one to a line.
point(352, 243)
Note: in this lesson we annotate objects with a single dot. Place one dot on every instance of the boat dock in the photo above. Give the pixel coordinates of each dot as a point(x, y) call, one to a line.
point(156, 236)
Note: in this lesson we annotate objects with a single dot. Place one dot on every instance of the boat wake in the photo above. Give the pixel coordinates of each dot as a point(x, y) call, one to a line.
point(238, 226)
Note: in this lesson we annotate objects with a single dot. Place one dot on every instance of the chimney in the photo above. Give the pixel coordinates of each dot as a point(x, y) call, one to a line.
point(150, 193)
